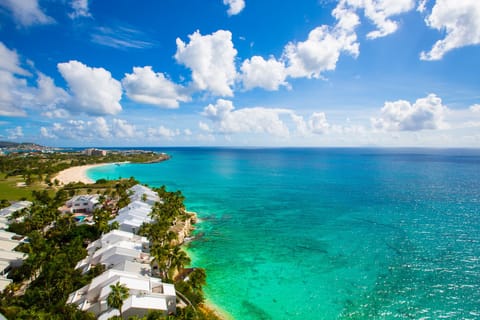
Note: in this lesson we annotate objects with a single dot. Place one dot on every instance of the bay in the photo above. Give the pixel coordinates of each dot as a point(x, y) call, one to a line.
point(330, 233)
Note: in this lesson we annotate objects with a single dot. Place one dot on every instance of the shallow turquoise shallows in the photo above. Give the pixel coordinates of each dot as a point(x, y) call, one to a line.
point(330, 233)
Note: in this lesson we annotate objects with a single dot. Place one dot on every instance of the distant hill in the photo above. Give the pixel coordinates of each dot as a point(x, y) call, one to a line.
point(22, 145)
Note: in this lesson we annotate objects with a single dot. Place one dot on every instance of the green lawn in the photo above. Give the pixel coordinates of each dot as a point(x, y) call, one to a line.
point(10, 191)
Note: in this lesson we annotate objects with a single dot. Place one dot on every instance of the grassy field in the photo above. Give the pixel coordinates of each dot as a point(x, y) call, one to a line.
point(10, 191)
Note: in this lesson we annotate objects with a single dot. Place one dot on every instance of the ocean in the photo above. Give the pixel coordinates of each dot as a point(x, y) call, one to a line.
point(330, 233)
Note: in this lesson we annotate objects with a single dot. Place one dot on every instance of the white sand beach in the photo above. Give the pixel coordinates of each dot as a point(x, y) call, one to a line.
point(77, 174)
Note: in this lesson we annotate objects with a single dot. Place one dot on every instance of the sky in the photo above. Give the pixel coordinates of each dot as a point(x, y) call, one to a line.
point(320, 73)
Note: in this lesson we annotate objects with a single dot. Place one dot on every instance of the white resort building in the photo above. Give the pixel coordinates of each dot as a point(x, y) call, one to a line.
point(17, 206)
point(8, 257)
point(131, 217)
point(142, 193)
point(114, 248)
point(83, 203)
point(145, 292)
point(8, 242)
point(127, 259)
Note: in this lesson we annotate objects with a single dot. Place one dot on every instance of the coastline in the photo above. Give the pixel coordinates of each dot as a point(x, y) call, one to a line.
point(215, 309)
point(77, 174)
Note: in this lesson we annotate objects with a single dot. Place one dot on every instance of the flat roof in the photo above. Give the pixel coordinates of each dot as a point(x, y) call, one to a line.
point(11, 255)
point(3, 284)
point(8, 245)
point(7, 235)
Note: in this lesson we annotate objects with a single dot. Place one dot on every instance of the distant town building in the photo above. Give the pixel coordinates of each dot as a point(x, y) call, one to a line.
point(95, 152)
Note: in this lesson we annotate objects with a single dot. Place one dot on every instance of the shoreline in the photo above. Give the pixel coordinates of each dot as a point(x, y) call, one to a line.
point(78, 174)
point(219, 312)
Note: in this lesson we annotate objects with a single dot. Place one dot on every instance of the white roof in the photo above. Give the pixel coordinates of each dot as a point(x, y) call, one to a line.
point(85, 198)
point(119, 235)
point(112, 238)
point(151, 301)
point(139, 191)
point(7, 235)
point(3, 265)
point(123, 249)
point(15, 207)
point(139, 204)
point(11, 255)
point(169, 289)
point(134, 267)
point(4, 283)
point(8, 245)
point(131, 222)
point(139, 212)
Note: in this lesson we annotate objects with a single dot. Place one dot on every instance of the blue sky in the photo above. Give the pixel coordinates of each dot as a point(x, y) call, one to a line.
point(240, 72)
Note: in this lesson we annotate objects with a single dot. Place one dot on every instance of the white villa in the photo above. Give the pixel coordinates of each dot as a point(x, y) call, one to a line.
point(142, 193)
point(20, 205)
point(131, 217)
point(115, 247)
point(127, 259)
point(146, 293)
point(83, 203)
point(8, 257)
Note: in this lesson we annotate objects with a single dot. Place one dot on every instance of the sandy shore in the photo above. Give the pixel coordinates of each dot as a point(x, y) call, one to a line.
point(77, 174)
point(219, 312)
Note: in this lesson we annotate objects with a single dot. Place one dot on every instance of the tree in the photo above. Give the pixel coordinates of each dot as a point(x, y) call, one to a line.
point(177, 260)
point(116, 297)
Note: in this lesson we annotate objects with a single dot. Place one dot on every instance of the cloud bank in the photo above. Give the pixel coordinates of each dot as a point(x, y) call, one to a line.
point(425, 113)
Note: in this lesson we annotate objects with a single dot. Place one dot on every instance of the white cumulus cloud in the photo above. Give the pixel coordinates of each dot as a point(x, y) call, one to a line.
point(422, 5)
point(80, 9)
point(267, 74)
point(10, 62)
point(320, 52)
point(211, 59)
point(234, 6)
point(460, 20)
point(122, 129)
point(146, 86)
point(44, 132)
point(204, 126)
point(10, 95)
point(380, 12)
point(79, 130)
point(16, 95)
point(318, 123)
point(401, 115)
point(15, 133)
point(93, 90)
point(26, 12)
point(102, 128)
point(475, 108)
point(227, 120)
point(163, 132)
point(47, 95)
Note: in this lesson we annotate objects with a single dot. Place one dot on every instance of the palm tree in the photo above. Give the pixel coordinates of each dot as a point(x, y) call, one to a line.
point(196, 280)
point(116, 297)
point(178, 259)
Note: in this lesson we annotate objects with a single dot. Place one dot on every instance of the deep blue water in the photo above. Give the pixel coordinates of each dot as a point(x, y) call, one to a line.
point(330, 233)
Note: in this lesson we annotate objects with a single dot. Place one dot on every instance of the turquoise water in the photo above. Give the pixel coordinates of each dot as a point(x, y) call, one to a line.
point(331, 233)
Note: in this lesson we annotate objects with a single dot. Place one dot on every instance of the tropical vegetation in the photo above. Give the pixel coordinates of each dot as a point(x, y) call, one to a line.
point(56, 242)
